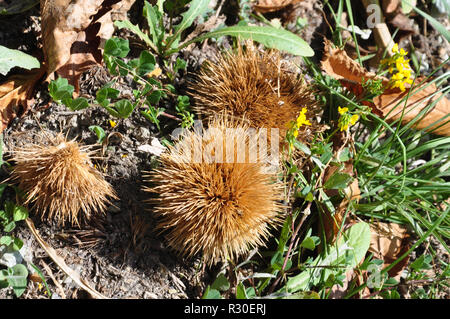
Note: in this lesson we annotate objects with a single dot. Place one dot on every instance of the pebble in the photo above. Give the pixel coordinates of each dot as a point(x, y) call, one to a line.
point(74, 121)
point(150, 295)
point(143, 134)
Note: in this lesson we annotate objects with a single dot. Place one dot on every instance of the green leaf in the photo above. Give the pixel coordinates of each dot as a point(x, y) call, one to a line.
point(211, 294)
point(9, 227)
point(196, 8)
point(17, 244)
point(3, 282)
point(6, 240)
point(308, 243)
point(99, 132)
point(125, 24)
point(271, 37)
point(60, 90)
point(17, 278)
point(10, 58)
point(250, 291)
point(180, 64)
point(221, 283)
point(337, 181)
point(105, 94)
point(277, 261)
point(153, 16)
point(79, 103)
point(302, 147)
point(121, 109)
point(304, 295)
point(20, 213)
point(240, 291)
point(154, 97)
point(123, 67)
point(345, 254)
point(183, 103)
point(145, 63)
point(117, 47)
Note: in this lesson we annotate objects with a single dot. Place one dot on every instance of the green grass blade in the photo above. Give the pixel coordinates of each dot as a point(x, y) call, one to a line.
point(439, 27)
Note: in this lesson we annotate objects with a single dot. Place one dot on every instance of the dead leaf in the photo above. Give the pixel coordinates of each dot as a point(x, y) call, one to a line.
point(390, 105)
point(34, 277)
point(404, 25)
point(62, 264)
point(72, 34)
point(16, 95)
point(390, 6)
point(339, 65)
point(264, 6)
point(390, 241)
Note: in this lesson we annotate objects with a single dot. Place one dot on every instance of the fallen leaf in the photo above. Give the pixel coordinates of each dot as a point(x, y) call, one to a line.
point(16, 95)
point(339, 65)
point(390, 6)
point(34, 277)
point(264, 6)
point(389, 241)
point(404, 25)
point(391, 106)
point(72, 34)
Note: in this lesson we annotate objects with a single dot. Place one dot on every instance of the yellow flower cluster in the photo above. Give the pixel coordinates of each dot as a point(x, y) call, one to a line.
point(346, 120)
point(301, 120)
point(398, 64)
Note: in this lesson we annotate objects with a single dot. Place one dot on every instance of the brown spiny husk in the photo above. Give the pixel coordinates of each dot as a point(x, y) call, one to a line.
point(221, 207)
point(256, 85)
point(59, 180)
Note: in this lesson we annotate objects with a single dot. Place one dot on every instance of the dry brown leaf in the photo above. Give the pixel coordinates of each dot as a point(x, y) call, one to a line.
point(339, 65)
point(62, 264)
point(420, 98)
point(72, 33)
point(389, 241)
point(390, 6)
point(404, 25)
point(16, 95)
point(264, 6)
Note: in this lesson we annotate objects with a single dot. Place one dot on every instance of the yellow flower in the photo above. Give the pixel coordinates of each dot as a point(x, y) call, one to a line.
point(343, 110)
point(399, 67)
point(346, 120)
point(301, 119)
point(354, 119)
point(395, 48)
point(112, 123)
